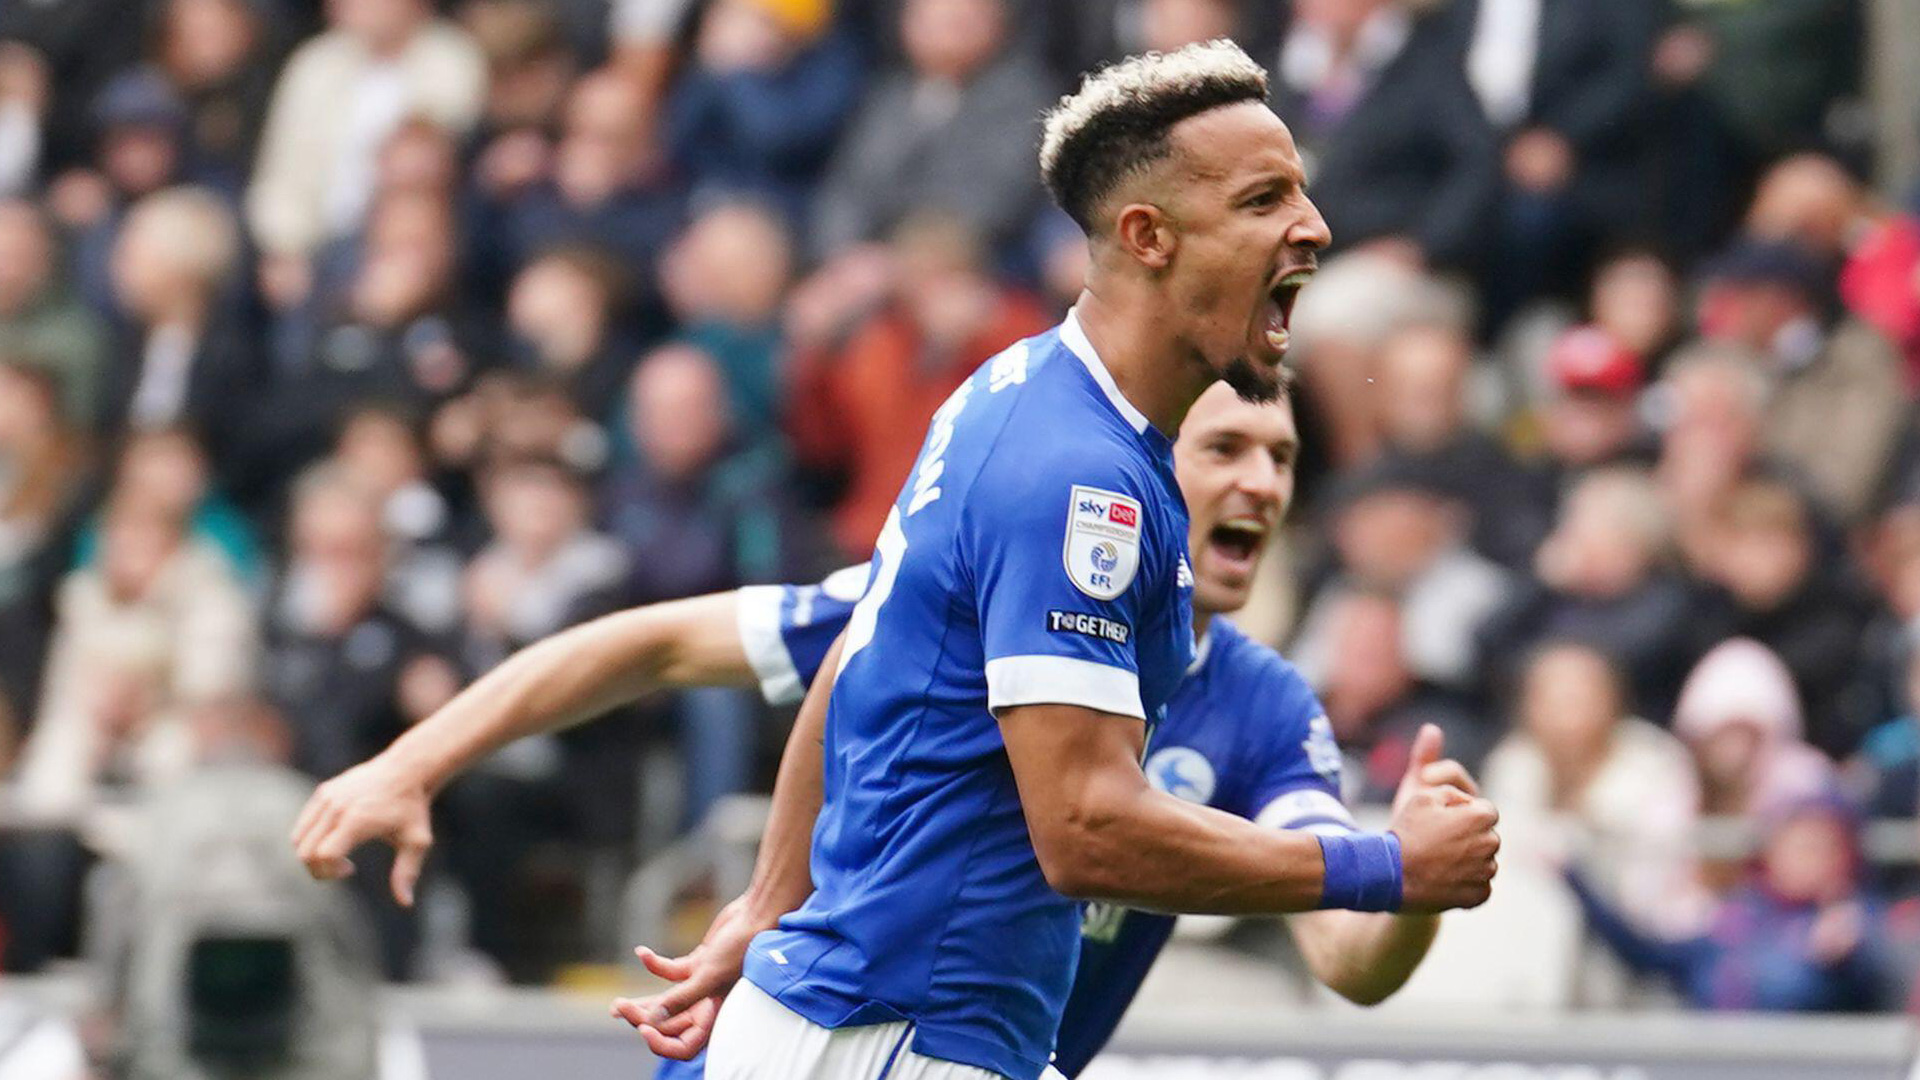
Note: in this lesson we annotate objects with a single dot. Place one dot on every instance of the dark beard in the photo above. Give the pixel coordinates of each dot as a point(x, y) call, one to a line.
point(1255, 385)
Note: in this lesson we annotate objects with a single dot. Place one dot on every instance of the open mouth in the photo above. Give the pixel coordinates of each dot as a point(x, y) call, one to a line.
point(1279, 314)
point(1236, 542)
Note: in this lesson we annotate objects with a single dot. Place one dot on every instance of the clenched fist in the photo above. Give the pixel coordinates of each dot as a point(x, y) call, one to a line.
point(1447, 848)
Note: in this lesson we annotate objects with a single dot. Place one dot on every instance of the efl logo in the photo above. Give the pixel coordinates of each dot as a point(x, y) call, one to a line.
point(1123, 515)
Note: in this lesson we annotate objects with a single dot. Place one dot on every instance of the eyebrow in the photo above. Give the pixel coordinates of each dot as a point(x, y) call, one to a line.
point(1266, 180)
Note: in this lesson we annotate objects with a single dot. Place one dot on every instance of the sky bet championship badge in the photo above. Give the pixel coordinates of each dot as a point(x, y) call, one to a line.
point(1103, 542)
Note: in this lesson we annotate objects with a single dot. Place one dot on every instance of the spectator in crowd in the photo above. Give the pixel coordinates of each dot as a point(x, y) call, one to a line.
point(418, 160)
point(1739, 713)
point(942, 134)
point(158, 623)
point(1604, 576)
point(348, 672)
point(529, 69)
point(1563, 84)
point(1635, 299)
point(1811, 200)
point(509, 416)
point(403, 334)
point(419, 163)
point(724, 280)
point(180, 358)
point(339, 97)
point(419, 157)
point(546, 568)
point(1765, 298)
point(166, 470)
point(1626, 788)
point(41, 322)
point(1376, 98)
point(1889, 556)
point(1804, 933)
point(700, 508)
point(1424, 369)
point(770, 87)
point(1780, 590)
point(1358, 301)
point(1591, 418)
point(380, 451)
point(219, 57)
point(157, 626)
point(608, 185)
point(861, 411)
point(1886, 771)
point(1398, 527)
point(140, 150)
point(42, 473)
point(1714, 403)
point(566, 321)
point(1375, 701)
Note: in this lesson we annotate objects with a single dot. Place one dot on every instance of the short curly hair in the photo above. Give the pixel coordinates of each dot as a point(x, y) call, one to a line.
point(1117, 121)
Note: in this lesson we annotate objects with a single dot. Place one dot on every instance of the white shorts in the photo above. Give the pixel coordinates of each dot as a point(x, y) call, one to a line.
point(757, 1038)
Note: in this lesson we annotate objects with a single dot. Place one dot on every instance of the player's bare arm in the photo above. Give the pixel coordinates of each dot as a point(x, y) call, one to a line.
point(550, 685)
point(1101, 832)
point(675, 1024)
point(1366, 956)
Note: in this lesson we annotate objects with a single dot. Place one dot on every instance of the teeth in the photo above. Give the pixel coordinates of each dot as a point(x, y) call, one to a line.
point(1278, 339)
point(1297, 278)
point(1251, 528)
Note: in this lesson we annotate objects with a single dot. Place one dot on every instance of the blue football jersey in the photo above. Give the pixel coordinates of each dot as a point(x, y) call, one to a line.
point(1036, 555)
point(1243, 733)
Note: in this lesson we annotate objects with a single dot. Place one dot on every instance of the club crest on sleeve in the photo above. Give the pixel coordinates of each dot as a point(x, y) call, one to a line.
point(1323, 751)
point(1103, 541)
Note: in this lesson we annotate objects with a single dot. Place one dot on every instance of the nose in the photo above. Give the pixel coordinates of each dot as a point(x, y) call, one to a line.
point(1260, 480)
point(1309, 231)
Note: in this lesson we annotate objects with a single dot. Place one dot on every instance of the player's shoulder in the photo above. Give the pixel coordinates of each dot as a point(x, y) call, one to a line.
point(1060, 450)
point(1046, 383)
point(1245, 670)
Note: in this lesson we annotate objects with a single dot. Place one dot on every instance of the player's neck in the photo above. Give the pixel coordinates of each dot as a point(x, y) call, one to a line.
point(1201, 620)
point(1147, 361)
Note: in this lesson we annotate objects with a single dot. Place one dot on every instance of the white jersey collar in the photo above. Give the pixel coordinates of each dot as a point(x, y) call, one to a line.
point(1201, 648)
point(1075, 339)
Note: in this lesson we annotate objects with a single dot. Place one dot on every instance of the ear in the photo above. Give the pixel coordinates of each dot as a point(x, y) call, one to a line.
point(1143, 232)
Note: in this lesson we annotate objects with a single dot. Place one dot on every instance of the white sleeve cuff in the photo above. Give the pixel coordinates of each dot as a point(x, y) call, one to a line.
point(757, 609)
point(1309, 810)
point(1062, 680)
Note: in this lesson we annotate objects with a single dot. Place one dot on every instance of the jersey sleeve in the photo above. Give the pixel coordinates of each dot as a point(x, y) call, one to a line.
point(786, 630)
point(1062, 567)
point(1295, 780)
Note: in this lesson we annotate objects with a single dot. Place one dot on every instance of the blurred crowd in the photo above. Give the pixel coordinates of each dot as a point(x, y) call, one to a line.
point(347, 346)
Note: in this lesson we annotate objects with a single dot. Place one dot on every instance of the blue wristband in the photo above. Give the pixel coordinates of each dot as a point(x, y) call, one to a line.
point(1362, 871)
